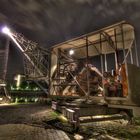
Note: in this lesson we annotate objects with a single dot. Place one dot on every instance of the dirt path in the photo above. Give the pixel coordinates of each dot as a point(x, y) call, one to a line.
point(23, 122)
point(26, 122)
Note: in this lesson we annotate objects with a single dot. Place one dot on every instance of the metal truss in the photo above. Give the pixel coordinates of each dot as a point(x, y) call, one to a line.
point(36, 60)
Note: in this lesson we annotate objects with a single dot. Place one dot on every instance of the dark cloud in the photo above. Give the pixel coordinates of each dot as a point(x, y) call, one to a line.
point(49, 22)
point(52, 21)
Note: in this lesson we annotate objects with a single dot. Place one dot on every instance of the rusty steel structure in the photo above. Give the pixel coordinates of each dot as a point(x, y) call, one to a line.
point(117, 40)
point(101, 66)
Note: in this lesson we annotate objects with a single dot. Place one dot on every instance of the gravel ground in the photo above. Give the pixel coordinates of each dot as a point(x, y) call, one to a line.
point(24, 113)
point(27, 122)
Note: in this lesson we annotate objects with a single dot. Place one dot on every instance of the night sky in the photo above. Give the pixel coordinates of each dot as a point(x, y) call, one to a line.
point(49, 22)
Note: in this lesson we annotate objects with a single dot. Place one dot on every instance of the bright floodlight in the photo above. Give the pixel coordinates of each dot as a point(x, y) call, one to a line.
point(6, 30)
point(71, 52)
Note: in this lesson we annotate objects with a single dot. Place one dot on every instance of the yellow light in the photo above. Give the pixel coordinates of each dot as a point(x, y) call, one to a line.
point(71, 52)
point(3, 85)
point(6, 30)
point(4, 104)
point(18, 80)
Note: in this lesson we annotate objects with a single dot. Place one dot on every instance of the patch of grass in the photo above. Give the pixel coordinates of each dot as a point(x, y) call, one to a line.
point(127, 132)
point(124, 134)
point(55, 114)
point(51, 116)
point(137, 121)
point(135, 131)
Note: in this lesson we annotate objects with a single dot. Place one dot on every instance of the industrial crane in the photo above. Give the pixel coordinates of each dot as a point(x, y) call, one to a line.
point(36, 58)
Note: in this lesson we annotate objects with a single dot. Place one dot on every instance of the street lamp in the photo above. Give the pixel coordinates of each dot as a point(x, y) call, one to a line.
point(7, 31)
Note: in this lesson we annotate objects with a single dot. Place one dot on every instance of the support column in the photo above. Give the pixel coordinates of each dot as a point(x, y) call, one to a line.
point(116, 63)
point(125, 80)
point(136, 52)
point(87, 67)
point(131, 56)
point(116, 51)
point(102, 66)
point(6, 58)
point(123, 43)
point(106, 68)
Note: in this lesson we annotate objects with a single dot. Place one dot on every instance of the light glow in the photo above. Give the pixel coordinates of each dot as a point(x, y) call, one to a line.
point(18, 80)
point(4, 104)
point(71, 52)
point(9, 97)
point(3, 84)
point(6, 30)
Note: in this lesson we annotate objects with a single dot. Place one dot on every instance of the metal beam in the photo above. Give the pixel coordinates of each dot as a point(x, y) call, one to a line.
point(87, 67)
